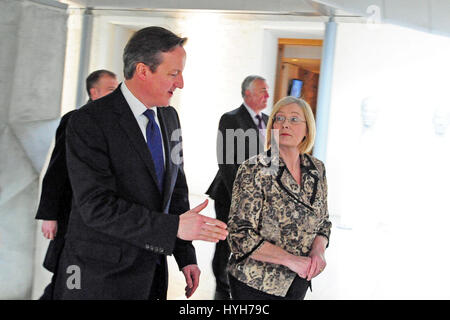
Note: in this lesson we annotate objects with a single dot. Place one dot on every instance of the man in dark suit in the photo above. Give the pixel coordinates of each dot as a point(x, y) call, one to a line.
point(56, 195)
point(241, 135)
point(130, 205)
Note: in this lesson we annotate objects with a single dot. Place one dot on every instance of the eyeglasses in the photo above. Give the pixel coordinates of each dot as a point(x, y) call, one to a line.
point(292, 120)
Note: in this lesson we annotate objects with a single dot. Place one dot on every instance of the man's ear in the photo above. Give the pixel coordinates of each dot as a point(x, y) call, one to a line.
point(142, 71)
point(93, 93)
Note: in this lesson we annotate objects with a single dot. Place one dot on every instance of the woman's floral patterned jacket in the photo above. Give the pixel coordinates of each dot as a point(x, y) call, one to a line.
point(269, 205)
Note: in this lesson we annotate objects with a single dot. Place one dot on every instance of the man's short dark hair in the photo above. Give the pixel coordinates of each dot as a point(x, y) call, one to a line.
point(93, 78)
point(146, 46)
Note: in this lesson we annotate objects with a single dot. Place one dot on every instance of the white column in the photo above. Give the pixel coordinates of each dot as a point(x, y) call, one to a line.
point(324, 93)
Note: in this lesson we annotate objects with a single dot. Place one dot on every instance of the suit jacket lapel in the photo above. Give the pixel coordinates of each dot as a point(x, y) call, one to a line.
point(246, 119)
point(265, 118)
point(170, 172)
point(248, 123)
point(128, 123)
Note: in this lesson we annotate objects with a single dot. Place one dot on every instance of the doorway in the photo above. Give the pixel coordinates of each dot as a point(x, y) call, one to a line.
point(298, 69)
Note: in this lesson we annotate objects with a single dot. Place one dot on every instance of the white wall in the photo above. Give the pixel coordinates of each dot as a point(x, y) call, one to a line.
point(33, 37)
point(389, 183)
point(221, 51)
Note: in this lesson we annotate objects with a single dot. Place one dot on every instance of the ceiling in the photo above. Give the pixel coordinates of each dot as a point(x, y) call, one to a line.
point(424, 15)
point(265, 7)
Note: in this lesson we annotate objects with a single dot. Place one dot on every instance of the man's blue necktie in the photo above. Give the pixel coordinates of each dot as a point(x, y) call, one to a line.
point(154, 143)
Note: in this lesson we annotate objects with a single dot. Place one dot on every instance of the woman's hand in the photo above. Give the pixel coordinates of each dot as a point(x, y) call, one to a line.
point(318, 264)
point(300, 265)
point(317, 255)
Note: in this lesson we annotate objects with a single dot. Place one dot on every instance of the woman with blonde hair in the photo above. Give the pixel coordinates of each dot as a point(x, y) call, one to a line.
point(278, 224)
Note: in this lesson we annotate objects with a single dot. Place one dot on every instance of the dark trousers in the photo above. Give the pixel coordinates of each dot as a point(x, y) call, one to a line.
point(158, 290)
point(220, 259)
point(240, 291)
point(51, 260)
point(48, 291)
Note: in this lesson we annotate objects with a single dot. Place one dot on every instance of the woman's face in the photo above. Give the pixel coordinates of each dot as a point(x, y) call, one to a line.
point(291, 123)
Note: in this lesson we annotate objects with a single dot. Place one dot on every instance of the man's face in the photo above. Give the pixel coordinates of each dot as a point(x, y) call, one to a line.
point(257, 95)
point(105, 85)
point(168, 76)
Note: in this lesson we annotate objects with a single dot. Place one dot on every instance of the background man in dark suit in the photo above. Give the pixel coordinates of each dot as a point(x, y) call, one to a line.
point(130, 203)
point(249, 118)
point(56, 195)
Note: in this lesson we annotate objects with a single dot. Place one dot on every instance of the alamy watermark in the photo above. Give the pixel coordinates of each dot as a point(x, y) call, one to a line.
point(233, 146)
point(374, 16)
point(74, 280)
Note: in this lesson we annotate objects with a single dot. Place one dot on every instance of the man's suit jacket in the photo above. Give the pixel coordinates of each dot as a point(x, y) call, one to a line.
point(222, 186)
point(56, 195)
point(120, 225)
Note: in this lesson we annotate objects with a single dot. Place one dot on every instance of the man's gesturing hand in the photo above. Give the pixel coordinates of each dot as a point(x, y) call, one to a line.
point(194, 226)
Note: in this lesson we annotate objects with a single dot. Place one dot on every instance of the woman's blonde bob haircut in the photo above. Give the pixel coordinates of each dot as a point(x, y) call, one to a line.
point(307, 144)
